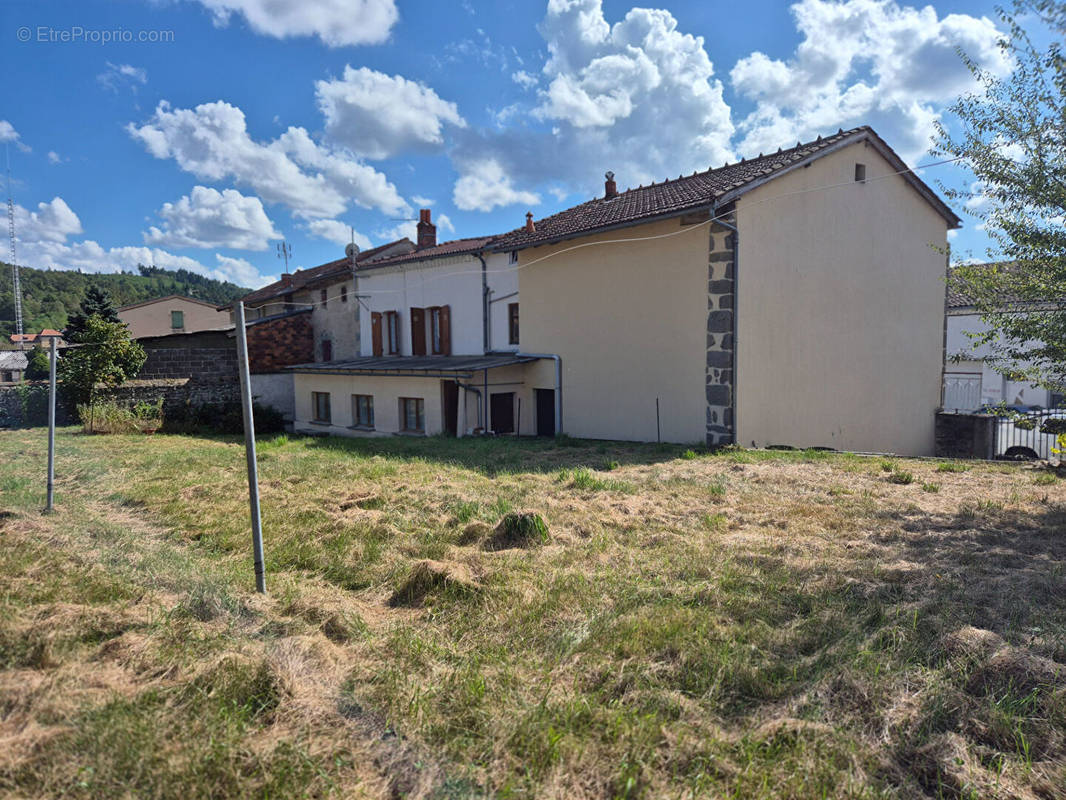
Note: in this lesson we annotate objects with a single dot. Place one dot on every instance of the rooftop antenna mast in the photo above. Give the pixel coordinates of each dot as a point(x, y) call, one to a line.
point(285, 253)
point(16, 285)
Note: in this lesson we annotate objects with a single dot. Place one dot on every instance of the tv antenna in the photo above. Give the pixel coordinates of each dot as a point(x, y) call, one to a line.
point(15, 283)
point(351, 249)
point(285, 252)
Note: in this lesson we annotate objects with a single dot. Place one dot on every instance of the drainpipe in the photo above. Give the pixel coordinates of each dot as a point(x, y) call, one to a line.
point(484, 303)
point(558, 383)
point(736, 294)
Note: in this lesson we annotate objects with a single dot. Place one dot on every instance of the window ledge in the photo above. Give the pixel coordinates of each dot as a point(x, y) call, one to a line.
point(321, 422)
point(361, 428)
point(410, 433)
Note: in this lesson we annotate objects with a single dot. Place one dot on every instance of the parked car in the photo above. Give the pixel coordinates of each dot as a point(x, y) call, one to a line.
point(1031, 433)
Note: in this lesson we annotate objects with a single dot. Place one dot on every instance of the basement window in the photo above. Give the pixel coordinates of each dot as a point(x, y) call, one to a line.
point(320, 407)
point(860, 173)
point(412, 415)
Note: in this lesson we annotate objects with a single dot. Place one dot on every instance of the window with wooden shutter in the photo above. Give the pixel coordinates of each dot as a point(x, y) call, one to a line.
point(418, 331)
point(446, 330)
point(375, 331)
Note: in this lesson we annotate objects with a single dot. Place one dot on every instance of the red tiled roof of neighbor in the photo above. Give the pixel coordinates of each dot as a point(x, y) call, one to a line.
point(33, 337)
point(303, 278)
point(698, 191)
point(452, 248)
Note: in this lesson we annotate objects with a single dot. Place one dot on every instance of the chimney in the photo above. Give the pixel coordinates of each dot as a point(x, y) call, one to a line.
point(530, 227)
point(610, 189)
point(427, 231)
point(286, 279)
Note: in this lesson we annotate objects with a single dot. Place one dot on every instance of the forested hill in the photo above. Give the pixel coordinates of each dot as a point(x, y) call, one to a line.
point(49, 296)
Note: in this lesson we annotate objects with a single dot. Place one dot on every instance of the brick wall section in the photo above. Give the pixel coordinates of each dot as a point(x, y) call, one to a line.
point(965, 435)
point(721, 266)
point(281, 342)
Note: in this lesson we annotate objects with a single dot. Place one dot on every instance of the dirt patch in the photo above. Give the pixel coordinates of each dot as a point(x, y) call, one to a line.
point(428, 577)
point(474, 533)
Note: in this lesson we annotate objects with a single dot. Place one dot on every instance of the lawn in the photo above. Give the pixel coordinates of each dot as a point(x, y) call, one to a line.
point(746, 624)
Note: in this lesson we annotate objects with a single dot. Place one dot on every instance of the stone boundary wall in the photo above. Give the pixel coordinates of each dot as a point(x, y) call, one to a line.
point(965, 435)
point(206, 357)
point(721, 265)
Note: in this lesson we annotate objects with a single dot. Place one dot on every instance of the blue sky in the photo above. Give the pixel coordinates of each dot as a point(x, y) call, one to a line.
point(235, 123)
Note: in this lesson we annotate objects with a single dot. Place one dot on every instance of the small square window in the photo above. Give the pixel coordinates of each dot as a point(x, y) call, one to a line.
point(177, 320)
point(363, 411)
point(412, 415)
point(860, 173)
point(320, 407)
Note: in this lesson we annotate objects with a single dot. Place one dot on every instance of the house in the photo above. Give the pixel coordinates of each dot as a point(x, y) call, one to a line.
point(969, 381)
point(37, 339)
point(172, 314)
point(439, 349)
point(794, 299)
point(12, 366)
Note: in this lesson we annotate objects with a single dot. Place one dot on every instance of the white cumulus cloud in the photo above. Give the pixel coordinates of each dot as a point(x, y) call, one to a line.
point(117, 76)
point(377, 115)
point(863, 62)
point(336, 22)
point(486, 185)
point(9, 134)
point(212, 142)
point(209, 218)
point(338, 232)
point(51, 222)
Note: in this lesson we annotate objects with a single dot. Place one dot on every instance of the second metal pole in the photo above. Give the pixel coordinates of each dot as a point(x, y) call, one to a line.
point(50, 504)
point(249, 449)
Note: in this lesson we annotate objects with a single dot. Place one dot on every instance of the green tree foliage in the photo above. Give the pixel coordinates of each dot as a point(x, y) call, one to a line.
point(97, 303)
point(38, 365)
point(105, 355)
point(50, 297)
point(1012, 134)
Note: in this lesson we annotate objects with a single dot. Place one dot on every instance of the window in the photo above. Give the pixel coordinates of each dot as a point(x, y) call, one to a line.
point(320, 406)
point(322, 297)
point(513, 257)
point(327, 350)
point(177, 320)
point(7, 378)
point(434, 330)
point(860, 173)
point(362, 411)
point(344, 294)
point(512, 323)
point(412, 415)
point(392, 331)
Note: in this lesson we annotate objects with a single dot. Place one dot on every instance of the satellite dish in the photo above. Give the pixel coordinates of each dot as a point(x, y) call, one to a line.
point(351, 250)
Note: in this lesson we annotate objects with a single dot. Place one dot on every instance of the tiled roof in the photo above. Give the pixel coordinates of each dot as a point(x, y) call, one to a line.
point(452, 248)
point(13, 360)
point(32, 337)
point(405, 364)
point(303, 278)
point(698, 191)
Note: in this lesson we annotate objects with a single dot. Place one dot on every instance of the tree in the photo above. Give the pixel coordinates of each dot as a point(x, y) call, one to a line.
point(38, 365)
point(97, 303)
point(105, 355)
point(1012, 134)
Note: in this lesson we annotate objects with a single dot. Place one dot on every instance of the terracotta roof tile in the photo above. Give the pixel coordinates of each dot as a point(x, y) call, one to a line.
point(452, 248)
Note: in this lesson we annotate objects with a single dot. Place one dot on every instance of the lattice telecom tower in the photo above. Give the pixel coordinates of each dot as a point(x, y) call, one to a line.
point(16, 286)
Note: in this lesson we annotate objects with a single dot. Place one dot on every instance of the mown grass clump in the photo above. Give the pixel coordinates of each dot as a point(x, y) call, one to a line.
point(518, 529)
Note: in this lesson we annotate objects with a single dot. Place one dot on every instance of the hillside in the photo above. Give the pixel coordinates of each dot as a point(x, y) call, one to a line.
point(49, 296)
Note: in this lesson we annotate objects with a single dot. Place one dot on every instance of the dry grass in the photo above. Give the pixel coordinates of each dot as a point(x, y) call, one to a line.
point(746, 624)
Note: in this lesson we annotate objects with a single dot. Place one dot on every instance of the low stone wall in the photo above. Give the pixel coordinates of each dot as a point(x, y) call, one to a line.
point(27, 405)
point(965, 435)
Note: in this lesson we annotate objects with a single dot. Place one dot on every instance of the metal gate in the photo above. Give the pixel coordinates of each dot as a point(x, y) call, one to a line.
point(1032, 434)
point(962, 391)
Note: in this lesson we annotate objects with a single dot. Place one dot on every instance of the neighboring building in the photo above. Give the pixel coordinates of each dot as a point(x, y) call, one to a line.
point(439, 342)
point(792, 299)
point(969, 381)
point(12, 366)
point(172, 314)
point(37, 339)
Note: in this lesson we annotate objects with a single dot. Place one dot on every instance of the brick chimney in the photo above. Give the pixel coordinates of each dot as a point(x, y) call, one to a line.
point(427, 231)
point(530, 227)
point(610, 189)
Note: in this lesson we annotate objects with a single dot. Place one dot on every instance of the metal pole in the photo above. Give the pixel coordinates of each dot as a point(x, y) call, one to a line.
point(658, 428)
point(249, 449)
point(50, 505)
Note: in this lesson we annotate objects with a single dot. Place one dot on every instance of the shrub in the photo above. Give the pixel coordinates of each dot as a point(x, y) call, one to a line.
point(112, 417)
point(224, 418)
point(688, 455)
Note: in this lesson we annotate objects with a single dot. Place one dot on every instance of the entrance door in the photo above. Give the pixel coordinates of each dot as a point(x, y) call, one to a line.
point(449, 405)
point(502, 407)
point(545, 412)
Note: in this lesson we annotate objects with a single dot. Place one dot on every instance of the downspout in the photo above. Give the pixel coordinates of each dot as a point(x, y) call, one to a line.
point(484, 303)
point(736, 294)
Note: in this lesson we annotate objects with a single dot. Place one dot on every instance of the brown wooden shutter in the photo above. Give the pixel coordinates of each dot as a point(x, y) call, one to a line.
point(375, 332)
point(418, 331)
point(446, 330)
